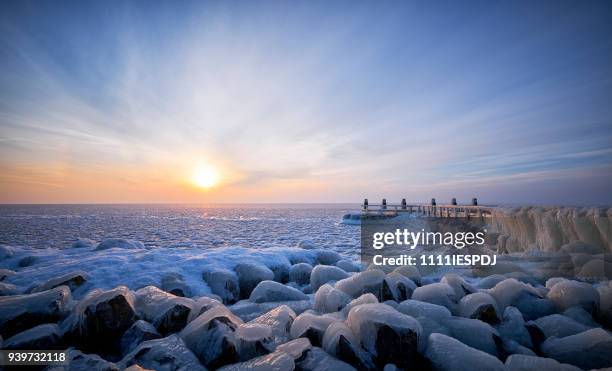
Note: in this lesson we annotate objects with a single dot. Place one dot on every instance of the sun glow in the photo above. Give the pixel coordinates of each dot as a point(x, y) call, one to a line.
point(205, 177)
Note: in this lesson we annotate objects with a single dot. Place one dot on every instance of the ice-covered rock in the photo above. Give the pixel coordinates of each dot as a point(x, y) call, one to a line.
point(369, 281)
point(580, 315)
point(429, 326)
point(6, 252)
point(167, 312)
point(211, 337)
point(277, 361)
point(479, 305)
point(322, 274)
point(306, 244)
point(417, 308)
point(169, 353)
point(566, 294)
point(459, 285)
point(339, 341)
point(448, 354)
point(272, 291)
point(329, 300)
point(490, 281)
point(348, 265)
point(587, 350)
point(7, 289)
point(250, 275)
point(21, 312)
point(475, 333)
point(522, 296)
point(510, 346)
point(436, 293)
point(223, 283)
point(363, 299)
point(328, 257)
point(513, 327)
point(83, 243)
point(74, 280)
point(248, 310)
point(253, 340)
point(139, 332)
point(281, 269)
point(120, 243)
point(27, 261)
point(78, 360)
point(4, 273)
point(100, 318)
point(295, 348)
point(316, 359)
point(175, 284)
point(279, 320)
point(559, 325)
point(398, 287)
point(388, 335)
point(409, 271)
point(201, 305)
point(300, 273)
point(520, 362)
point(311, 326)
point(45, 336)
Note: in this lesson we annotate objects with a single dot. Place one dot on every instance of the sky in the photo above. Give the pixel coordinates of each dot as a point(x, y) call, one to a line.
point(305, 101)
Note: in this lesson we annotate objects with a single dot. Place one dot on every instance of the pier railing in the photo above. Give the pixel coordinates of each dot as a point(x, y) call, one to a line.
point(452, 210)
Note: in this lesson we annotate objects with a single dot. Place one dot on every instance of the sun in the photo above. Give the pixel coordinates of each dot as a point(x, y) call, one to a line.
point(205, 177)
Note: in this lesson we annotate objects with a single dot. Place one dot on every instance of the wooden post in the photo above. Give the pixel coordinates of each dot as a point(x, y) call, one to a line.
point(384, 204)
point(404, 204)
point(365, 204)
point(474, 201)
point(454, 201)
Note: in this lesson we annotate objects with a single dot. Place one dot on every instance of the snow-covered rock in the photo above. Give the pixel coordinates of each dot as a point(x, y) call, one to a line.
point(279, 320)
point(250, 275)
point(139, 332)
point(329, 300)
point(223, 283)
point(448, 354)
point(369, 281)
point(74, 280)
point(167, 312)
point(169, 353)
point(436, 293)
point(45, 336)
point(566, 294)
point(311, 326)
point(272, 291)
point(300, 273)
point(398, 287)
point(21, 312)
point(520, 362)
point(322, 274)
point(175, 284)
point(211, 337)
point(388, 335)
point(479, 305)
point(587, 350)
point(111, 243)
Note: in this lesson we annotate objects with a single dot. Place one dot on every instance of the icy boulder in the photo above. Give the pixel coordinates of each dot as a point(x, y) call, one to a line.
point(253, 340)
point(27, 261)
point(277, 361)
point(300, 273)
point(329, 299)
point(249, 275)
point(45, 336)
point(139, 332)
point(370, 281)
point(322, 274)
point(410, 272)
point(74, 280)
point(21, 312)
point(223, 283)
point(81, 243)
point(429, 327)
point(448, 354)
point(328, 257)
point(580, 315)
point(398, 287)
point(522, 296)
point(459, 285)
point(120, 243)
point(169, 353)
point(211, 337)
point(6, 289)
point(279, 320)
point(340, 342)
point(416, 308)
point(348, 265)
point(436, 293)
point(271, 291)
point(101, 317)
point(306, 244)
point(388, 335)
point(587, 350)
point(78, 360)
point(6, 252)
point(363, 299)
point(568, 293)
point(513, 327)
point(316, 359)
point(4, 273)
point(490, 281)
point(167, 312)
point(281, 269)
point(520, 362)
point(174, 283)
point(559, 325)
point(480, 306)
point(311, 326)
point(475, 333)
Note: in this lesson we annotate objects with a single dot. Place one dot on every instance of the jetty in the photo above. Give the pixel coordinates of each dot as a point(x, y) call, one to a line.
point(433, 209)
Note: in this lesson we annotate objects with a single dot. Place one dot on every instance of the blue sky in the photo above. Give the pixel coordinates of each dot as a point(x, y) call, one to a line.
point(306, 101)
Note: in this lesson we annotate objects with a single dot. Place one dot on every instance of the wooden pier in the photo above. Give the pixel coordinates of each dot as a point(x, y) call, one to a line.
point(452, 210)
